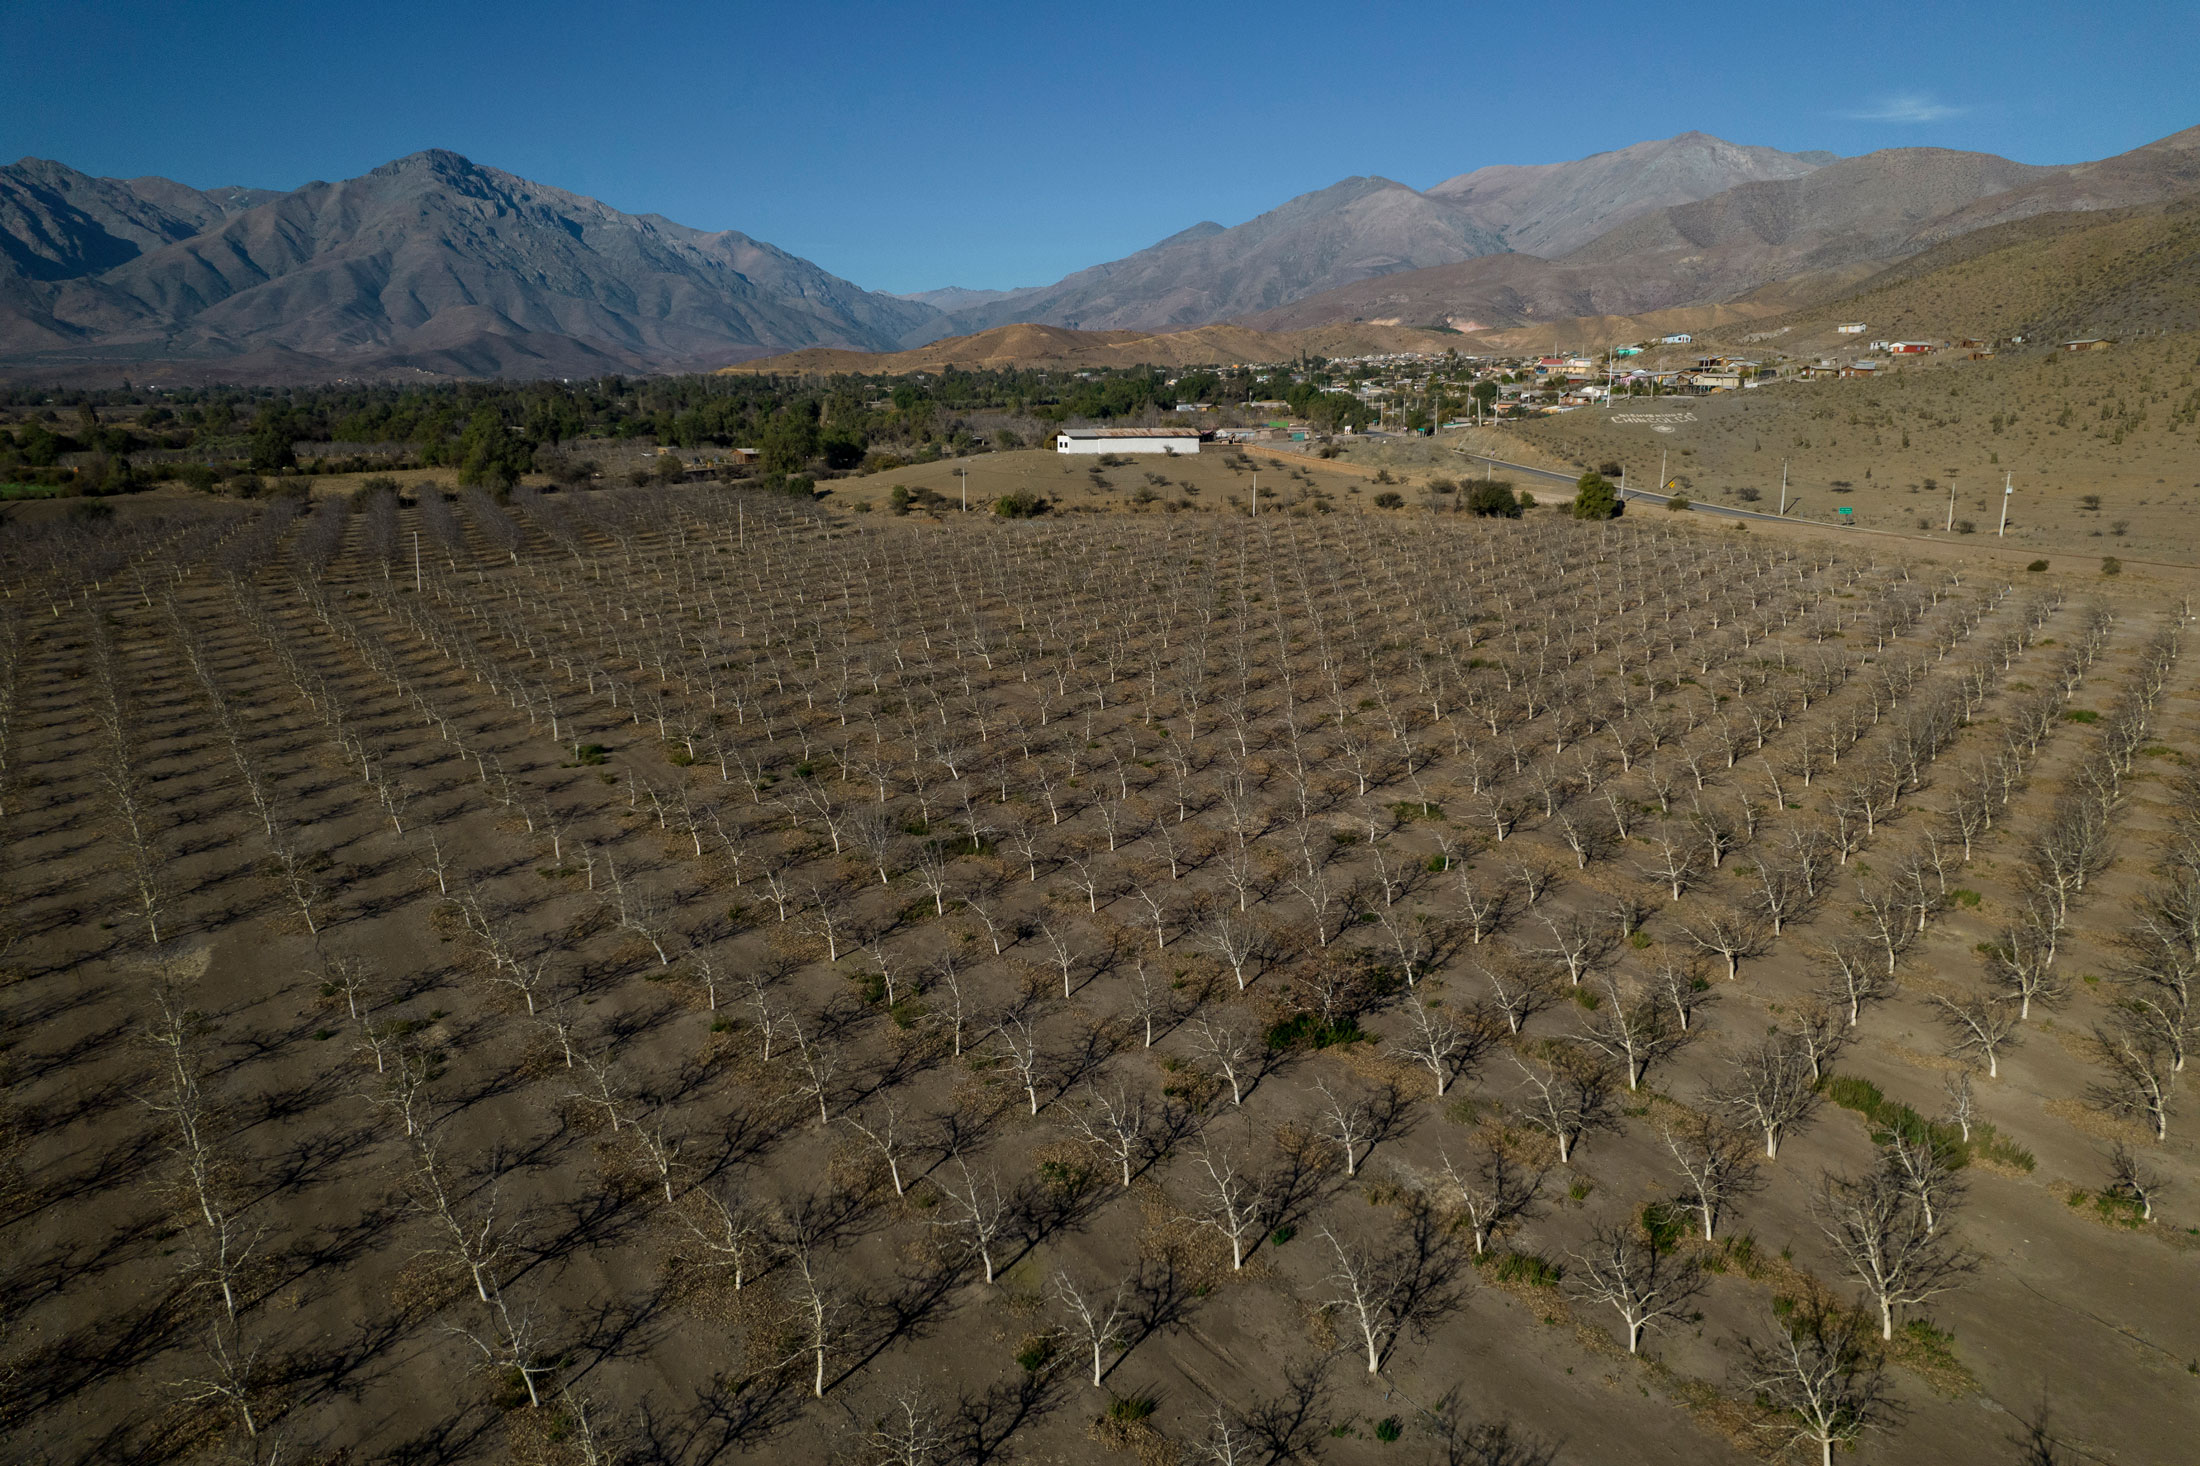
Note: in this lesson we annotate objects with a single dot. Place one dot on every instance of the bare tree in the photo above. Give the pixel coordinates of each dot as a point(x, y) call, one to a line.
point(1683, 990)
point(1150, 1002)
point(1962, 1106)
point(1879, 1232)
point(1920, 1167)
point(512, 1344)
point(1579, 945)
point(1113, 1123)
point(1647, 1285)
point(1364, 1289)
point(1630, 1027)
point(2141, 1078)
point(1436, 1041)
point(978, 1209)
point(1725, 933)
point(1515, 993)
point(1494, 1192)
point(2020, 962)
point(1351, 1122)
point(1100, 1322)
point(1021, 1047)
point(881, 1125)
point(1821, 1032)
point(1821, 1373)
point(818, 1308)
point(231, 1376)
point(909, 1432)
point(1981, 1025)
point(2132, 1179)
point(1769, 1087)
point(1233, 1050)
point(1565, 1100)
point(1233, 939)
point(467, 1229)
point(1231, 1201)
point(736, 1235)
point(1714, 1160)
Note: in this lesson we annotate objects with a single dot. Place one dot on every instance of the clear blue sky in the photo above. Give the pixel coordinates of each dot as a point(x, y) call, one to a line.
point(906, 146)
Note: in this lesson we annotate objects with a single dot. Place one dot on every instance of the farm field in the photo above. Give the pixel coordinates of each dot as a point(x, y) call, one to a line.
point(686, 975)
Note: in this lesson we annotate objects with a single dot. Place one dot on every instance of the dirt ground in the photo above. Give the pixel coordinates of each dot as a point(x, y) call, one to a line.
point(660, 839)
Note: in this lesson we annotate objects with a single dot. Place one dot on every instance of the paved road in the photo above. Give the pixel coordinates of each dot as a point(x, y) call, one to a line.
point(1632, 495)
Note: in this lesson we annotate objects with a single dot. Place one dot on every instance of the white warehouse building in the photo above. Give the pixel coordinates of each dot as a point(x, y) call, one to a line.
point(1127, 440)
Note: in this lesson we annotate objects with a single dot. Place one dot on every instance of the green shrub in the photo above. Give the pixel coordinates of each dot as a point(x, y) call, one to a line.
point(1390, 499)
point(2037, 565)
point(1388, 1429)
point(1130, 1409)
point(1595, 498)
point(1677, 501)
point(1019, 504)
point(2110, 565)
point(1493, 499)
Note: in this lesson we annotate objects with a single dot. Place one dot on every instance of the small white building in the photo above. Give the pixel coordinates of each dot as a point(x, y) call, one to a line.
point(1127, 440)
point(1852, 328)
point(1678, 338)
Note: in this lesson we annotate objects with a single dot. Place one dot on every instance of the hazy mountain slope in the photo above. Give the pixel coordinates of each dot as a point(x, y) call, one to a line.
point(1351, 230)
point(2162, 169)
point(1550, 209)
point(1363, 229)
point(1823, 223)
point(1027, 345)
point(1858, 208)
point(59, 224)
point(434, 262)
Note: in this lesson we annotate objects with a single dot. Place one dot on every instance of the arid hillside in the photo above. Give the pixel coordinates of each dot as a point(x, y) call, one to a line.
point(2101, 447)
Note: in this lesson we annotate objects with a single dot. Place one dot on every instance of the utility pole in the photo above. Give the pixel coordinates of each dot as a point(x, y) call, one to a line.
point(1783, 488)
point(1256, 493)
point(1949, 528)
point(966, 489)
point(416, 562)
point(2006, 490)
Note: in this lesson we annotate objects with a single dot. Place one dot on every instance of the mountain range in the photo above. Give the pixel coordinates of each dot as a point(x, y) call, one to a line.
point(434, 265)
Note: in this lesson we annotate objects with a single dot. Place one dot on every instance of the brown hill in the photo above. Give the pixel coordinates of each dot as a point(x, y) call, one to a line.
point(2116, 273)
point(1029, 345)
point(1766, 246)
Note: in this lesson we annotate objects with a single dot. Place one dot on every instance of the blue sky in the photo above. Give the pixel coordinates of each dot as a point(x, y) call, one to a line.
point(906, 146)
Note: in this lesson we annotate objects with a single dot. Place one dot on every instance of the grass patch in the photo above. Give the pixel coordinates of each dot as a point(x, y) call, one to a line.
point(1129, 1409)
point(1931, 1353)
point(1308, 1031)
point(1890, 1119)
point(1408, 810)
point(1526, 1268)
point(2081, 715)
